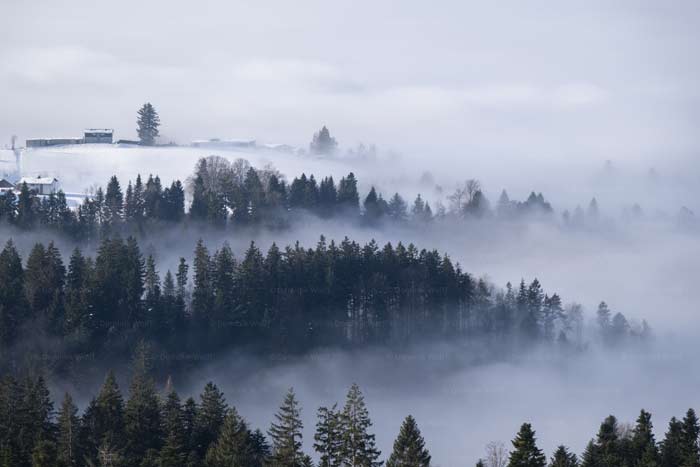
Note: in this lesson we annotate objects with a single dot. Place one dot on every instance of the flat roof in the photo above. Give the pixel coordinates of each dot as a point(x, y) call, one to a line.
point(37, 180)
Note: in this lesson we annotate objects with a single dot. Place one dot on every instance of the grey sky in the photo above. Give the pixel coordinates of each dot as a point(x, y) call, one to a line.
point(545, 79)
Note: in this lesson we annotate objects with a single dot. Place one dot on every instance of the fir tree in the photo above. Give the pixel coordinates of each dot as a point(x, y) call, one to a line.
point(672, 445)
point(210, 418)
point(103, 422)
point(563, 458)
point(358, 445)
point(232, 447)
point(114, 203)
point(644, 449)
point(323, 143)
point(286, 434)
point(148, 122)
point(689, 439)
point(260, 449)
point(12, 295)
point(68, 452)
point(173, 453)
point(142, 422)
point(409, 447)
point(328, 437)
point(525, 451)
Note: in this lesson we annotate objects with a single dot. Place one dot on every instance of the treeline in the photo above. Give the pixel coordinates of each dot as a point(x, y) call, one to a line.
point(292, 300)
point(160, 430)
point(615, 445)
point(237, 195)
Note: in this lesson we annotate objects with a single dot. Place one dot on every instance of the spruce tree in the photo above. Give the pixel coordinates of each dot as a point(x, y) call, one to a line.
point(103, 422)
point(607, 450)
point(260, 449)
point(142, 422)
point(12, 295)
point(232, 447)
point(147, 124)
point(114, 203)
point(68, 452)
point(563, 458)
point(643, 443)
point(173, 453)
point(409, 447)
point(328, 437)
point(358, 445)
point(672, 445)
point(286, 434)
point(689, 440)
point(323, 143)
point(210, 418)
point(27, 208)
point(525, 451)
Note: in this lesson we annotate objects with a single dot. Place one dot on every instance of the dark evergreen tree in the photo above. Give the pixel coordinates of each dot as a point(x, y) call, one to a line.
point(27, 208)
point(13, 303)
point(689, 435)
point(358, 445)
point(142, 416)
point(102, 429)
point(525, 451)
point(563, 458)
point(232, 447)
point(348, 196)
point(672, 445)
point(328, 437)
point(260, 449)
point(174, 450)
point(607, 450)
point(209, 419)
point(113, 204)
point(323, 143)
point(397, 209)
point(147, 124)
point(409, 447)
point(286, 435)
point(644, 450)
point(68, 449)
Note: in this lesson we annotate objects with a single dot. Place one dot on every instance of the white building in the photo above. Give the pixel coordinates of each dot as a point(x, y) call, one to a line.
point(6, 186)
point(40, 185)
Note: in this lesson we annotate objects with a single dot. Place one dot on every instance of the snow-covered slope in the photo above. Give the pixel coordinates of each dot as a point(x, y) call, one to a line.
point(82, 166)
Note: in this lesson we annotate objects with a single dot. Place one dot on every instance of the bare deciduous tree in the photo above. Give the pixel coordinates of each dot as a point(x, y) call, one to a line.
point(496, 454)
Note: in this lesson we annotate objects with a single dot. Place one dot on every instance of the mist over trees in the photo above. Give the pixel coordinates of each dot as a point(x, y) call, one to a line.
point(290, 299)
point(157, 428)
point(236, 195)
point(323, 143)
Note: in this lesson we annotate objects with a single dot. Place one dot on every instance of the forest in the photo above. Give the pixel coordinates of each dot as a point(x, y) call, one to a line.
point(238, 195)
point(288, 300)
point(155, 428)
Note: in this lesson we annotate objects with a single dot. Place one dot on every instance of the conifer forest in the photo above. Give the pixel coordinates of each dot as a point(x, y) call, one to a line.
point(349, 234)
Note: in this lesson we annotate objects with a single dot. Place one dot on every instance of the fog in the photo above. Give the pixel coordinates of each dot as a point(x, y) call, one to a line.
point(577, 101)
point(558, 83)
point(646, 269)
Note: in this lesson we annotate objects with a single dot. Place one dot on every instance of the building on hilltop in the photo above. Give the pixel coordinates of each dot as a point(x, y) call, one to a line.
point(98, 135)
point(90, 136)
point(43, 142)
point(6, 186)
point(40, 185)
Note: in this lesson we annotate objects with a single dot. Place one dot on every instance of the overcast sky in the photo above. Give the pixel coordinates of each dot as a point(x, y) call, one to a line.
point(549, 79)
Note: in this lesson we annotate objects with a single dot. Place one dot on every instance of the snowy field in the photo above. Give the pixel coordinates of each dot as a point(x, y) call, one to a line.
point(84, 166)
